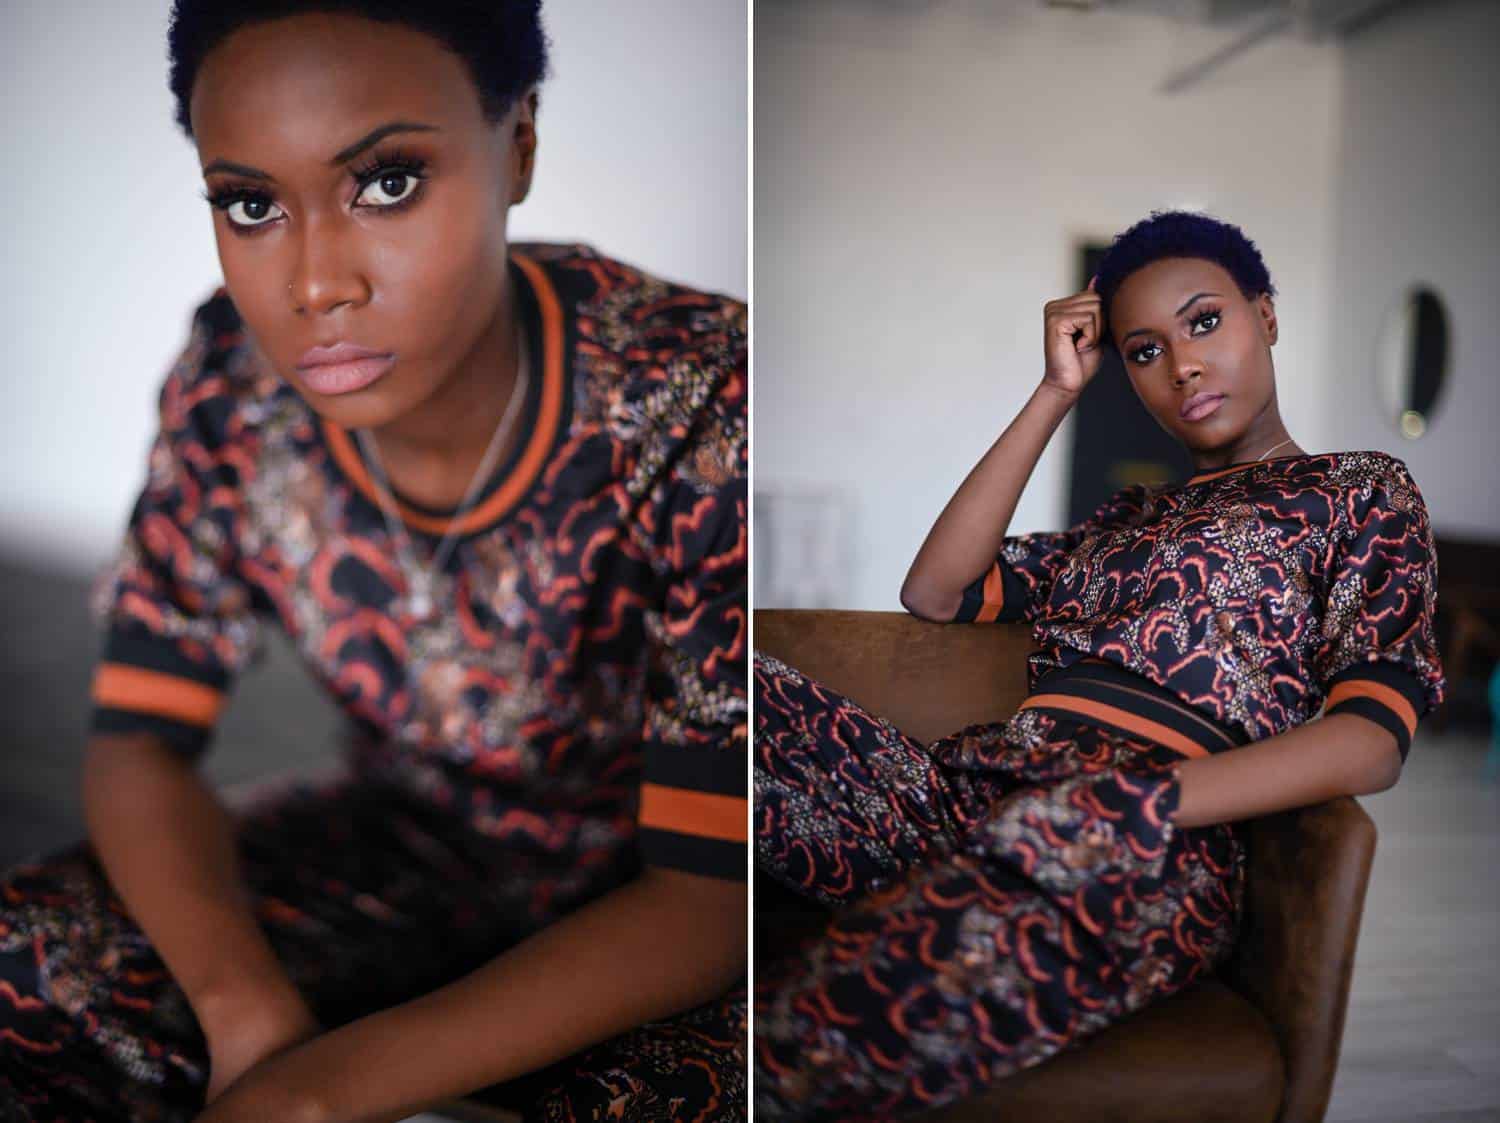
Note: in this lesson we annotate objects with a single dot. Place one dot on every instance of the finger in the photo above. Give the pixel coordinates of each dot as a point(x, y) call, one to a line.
point(1093, 285)
point(1085, 318)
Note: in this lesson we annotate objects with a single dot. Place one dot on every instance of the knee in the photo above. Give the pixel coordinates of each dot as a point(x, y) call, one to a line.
point(693, 1065)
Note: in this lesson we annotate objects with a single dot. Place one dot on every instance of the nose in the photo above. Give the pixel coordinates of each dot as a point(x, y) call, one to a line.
point(1186, 368)
point(323, 279)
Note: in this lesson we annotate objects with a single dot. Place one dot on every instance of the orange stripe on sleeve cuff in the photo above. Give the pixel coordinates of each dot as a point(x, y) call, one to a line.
point(1377, 692)
point(696, 813)
point(121, 687)
point(994, 595)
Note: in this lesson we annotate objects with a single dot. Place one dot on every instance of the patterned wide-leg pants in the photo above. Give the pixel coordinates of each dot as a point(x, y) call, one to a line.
point(369, 900)
point(999, 895)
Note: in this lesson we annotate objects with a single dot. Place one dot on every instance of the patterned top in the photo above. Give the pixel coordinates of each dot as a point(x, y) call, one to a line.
point(1254, 593)
point(581, 690)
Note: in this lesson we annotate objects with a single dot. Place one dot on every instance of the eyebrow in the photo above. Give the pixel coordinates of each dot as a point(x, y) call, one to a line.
point(1186, 305)
point(374, 136)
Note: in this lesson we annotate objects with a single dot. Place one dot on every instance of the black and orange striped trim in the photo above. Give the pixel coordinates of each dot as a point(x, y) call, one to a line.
point(142, 684)
point(1107, 694)
point(998, 594)
point(546, 426)
point(1384, 693)
point(694, 814)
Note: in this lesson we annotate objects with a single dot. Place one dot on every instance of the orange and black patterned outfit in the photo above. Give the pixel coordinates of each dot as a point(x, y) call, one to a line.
point(574, 711)
point(1008, 891)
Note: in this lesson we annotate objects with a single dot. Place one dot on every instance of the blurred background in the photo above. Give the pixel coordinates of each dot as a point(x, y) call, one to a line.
point(109, 248)
point(929, 173)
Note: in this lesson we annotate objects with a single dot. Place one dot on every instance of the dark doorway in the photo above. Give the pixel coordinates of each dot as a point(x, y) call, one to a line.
point(1115, 441)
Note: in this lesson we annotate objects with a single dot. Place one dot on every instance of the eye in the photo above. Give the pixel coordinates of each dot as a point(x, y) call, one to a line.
point(1139, 354)
point(388, 188)
point(1207, 314)
point(245, 209)
point(390, 180)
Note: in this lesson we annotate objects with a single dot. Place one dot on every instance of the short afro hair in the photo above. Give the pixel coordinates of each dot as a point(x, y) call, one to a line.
point(1182, 234)
point(501, 41)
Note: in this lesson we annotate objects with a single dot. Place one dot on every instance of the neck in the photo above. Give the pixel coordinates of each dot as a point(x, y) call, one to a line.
point(1266, 434)
point(431, 453)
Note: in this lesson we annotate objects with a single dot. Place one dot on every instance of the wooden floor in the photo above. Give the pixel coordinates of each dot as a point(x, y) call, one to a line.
point(1422, 1043)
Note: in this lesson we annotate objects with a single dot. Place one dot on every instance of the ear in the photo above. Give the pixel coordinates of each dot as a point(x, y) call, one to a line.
point(1267, 308)
point(523, 138)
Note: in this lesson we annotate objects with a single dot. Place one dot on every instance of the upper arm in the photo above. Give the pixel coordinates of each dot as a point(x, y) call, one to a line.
point(1378, 657)
point(1019, 580)
point(175, 615)
point(694, 809)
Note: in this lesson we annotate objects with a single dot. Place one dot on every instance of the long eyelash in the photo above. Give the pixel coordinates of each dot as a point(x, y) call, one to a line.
point(393, 160)
point(225, 197)
point(379, 164)
point(1202, 315)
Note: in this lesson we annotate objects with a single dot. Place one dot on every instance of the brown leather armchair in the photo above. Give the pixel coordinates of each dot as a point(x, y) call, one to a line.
point(1260, 1042)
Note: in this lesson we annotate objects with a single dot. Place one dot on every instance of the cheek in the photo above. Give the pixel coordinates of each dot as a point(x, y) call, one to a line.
point(445, 275)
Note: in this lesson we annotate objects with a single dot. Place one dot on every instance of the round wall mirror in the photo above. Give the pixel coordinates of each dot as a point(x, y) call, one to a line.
point(1412, 359)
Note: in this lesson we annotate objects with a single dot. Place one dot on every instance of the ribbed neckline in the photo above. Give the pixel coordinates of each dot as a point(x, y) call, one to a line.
point(545, 417)
point(1216, 472)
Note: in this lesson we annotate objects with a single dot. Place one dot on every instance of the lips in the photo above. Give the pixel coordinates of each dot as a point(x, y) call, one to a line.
point(343, 368)
point(1200, 405)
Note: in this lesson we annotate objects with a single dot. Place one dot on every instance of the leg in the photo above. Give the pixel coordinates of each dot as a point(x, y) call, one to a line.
point(366, 900)
point(688, 1067)
point(844, 801)
point(1072, 906)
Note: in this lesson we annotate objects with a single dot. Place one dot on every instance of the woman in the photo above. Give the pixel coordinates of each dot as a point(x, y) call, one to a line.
point(496, 496)
point(1012, 889)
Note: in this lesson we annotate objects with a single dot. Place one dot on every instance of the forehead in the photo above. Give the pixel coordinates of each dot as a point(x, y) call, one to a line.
point(303, 86)
point(1154, 292)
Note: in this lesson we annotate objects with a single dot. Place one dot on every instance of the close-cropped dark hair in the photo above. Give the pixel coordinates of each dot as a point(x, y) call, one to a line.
point(501, 41)
point(1182, 234)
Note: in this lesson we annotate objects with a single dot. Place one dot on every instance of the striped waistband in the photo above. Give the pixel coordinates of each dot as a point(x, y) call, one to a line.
point(1107, 694)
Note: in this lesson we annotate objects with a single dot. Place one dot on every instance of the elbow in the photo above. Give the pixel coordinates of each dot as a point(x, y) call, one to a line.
point(927, 604)
point(1382, 776)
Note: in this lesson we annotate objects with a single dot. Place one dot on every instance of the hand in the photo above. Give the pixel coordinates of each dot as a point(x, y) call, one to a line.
point(1071, 338)
point(245, 1029)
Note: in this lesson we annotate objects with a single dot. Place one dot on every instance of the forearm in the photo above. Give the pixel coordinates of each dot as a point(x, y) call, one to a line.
point(659, 945)
point(968, 534)
point(1341, 754)
point(168, 847)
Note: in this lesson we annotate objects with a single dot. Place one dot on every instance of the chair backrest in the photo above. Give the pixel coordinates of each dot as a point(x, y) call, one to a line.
point(1308, 869)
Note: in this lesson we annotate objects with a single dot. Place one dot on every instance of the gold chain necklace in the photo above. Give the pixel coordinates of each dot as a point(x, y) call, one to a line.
point(1273, 448)
point(421, 583)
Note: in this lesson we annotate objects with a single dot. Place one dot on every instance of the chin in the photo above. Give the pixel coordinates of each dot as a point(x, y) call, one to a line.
point(370, 408)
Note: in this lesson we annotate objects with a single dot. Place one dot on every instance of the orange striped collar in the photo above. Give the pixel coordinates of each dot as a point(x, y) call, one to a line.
point(539, 445)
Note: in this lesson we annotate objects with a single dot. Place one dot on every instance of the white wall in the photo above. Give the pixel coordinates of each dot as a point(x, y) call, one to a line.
point(922, 179)
point(108, 245)
point(1418, 190)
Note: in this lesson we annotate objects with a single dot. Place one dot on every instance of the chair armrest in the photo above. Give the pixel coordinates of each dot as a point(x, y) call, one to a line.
point(928, 679)
point(1308, 873)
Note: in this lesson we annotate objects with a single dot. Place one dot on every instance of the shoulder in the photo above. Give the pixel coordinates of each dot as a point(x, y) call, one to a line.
point(218, 378)
point(1371, 483)
point(1129, 503)
point(659, 366)
point(623, 306)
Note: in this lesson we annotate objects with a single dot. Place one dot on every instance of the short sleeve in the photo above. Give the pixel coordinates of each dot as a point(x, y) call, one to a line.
point(1378, 657)
point(1020, 579)
point(694, 809)
point(176, 619)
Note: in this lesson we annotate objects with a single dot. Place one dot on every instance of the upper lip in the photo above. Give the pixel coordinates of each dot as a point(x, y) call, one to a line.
point(1197, 400)
point(337, 353)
